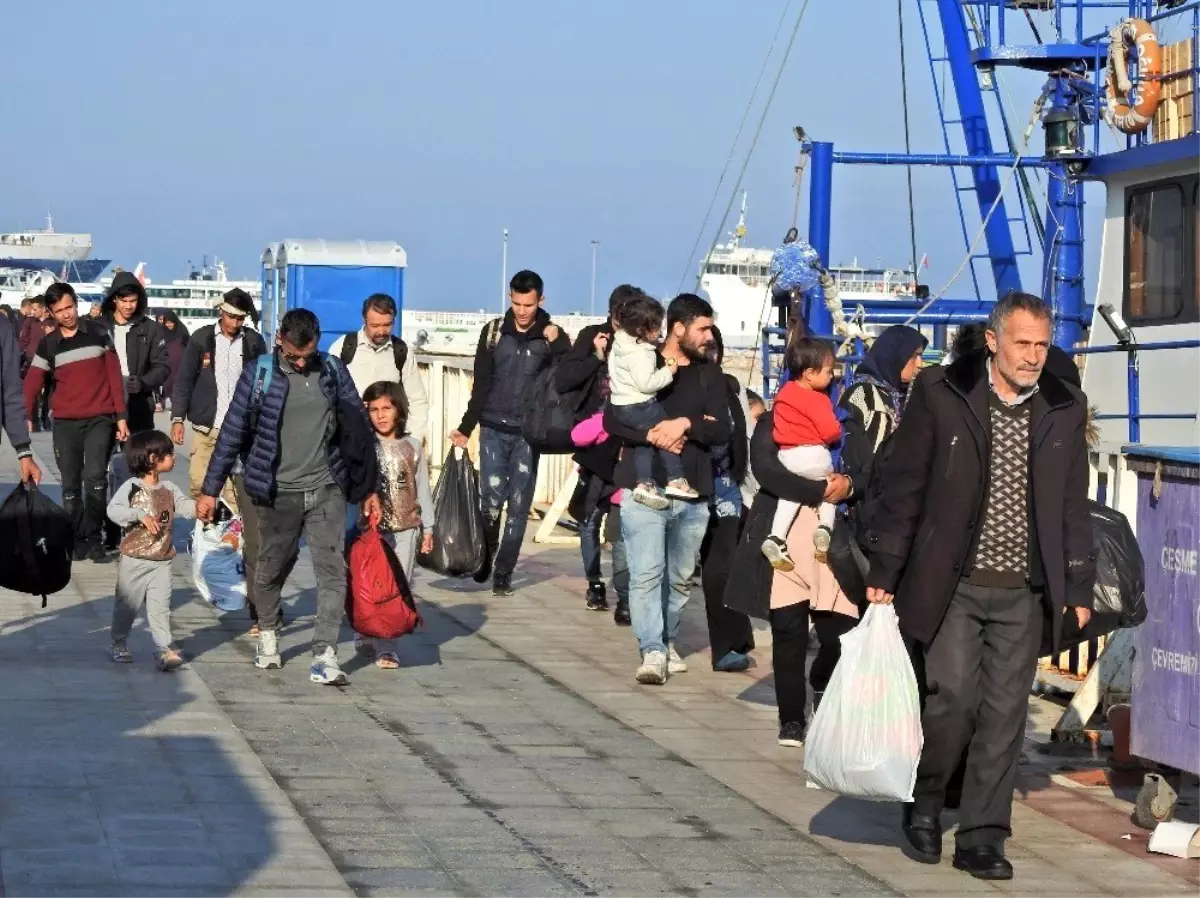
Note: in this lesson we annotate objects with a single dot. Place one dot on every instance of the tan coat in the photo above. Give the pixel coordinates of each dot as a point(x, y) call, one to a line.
point(811, 581)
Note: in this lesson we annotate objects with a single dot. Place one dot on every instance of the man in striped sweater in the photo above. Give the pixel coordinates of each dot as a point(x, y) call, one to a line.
point(88, 407)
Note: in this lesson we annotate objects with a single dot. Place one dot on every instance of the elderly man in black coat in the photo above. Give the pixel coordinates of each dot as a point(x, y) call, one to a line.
point(982, 533)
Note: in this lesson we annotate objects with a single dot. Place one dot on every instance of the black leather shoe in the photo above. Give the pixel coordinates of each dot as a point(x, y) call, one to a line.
point(984, 862)
point(924, 836)
point(621, 616)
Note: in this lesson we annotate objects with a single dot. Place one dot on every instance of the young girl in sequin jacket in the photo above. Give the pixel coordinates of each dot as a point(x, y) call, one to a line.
point(405, 498)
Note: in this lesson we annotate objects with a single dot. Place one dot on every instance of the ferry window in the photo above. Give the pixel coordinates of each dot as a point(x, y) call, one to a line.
point(1156, 253)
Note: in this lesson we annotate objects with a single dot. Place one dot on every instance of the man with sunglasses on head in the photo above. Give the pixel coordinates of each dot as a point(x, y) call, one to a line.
point(299, 428)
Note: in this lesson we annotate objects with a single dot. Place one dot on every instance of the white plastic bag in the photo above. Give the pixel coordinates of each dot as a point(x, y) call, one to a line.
point(865, 740)
point(217, 568)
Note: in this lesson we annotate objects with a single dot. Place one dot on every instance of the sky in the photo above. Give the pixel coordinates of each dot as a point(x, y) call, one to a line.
point(174, 130)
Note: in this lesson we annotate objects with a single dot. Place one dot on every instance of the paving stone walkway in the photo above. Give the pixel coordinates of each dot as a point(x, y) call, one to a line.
point(512, 755)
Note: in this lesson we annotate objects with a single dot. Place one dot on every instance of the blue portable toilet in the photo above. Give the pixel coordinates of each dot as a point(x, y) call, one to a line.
point(331, 278)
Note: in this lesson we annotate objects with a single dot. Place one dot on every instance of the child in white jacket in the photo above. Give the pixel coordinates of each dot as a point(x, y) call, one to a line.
point(634, 380)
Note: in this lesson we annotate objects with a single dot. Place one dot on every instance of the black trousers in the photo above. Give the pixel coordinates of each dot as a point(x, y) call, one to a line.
point(977, 672)
point(728, 630)
point(82, 449)
point(789, 635)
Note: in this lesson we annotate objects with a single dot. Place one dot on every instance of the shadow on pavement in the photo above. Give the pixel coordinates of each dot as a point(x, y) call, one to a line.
point(117, 779)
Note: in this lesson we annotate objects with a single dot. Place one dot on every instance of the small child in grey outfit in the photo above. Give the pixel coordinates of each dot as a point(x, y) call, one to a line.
point(145, 508)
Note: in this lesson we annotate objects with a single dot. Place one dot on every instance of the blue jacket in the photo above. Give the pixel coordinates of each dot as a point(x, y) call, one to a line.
point(259, 451)
point(12, 400)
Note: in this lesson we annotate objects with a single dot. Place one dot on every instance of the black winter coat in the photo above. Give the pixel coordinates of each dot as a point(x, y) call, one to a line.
point(581, 366)
point(505, 372)
point(195, 393)
point(934, 495)
point(750, 575)
point(146, 353)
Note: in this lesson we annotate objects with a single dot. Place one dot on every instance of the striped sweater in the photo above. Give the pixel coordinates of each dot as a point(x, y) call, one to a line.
point(86, 373)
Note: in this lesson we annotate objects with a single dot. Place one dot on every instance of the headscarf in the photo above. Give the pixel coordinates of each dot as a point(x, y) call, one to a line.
point(879, 375)
point(889, 354)
point(180, 332)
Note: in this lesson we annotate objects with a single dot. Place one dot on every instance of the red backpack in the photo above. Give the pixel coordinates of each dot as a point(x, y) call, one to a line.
point(379, 602)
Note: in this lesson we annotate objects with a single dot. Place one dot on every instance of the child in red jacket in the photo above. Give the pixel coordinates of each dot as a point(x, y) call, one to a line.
point(805, 428)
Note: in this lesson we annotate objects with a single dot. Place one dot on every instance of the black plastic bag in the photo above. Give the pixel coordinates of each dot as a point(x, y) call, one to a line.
point(37, 540)
point(458, 542)
point(1120, 569)
point(1119, 596)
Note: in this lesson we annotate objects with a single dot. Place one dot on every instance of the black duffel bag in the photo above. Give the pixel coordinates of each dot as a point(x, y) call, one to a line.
point(37, 541)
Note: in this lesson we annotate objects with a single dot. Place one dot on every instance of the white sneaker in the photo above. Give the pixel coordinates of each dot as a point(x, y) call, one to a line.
point(267, 656)
point(675, 662)
point(326, 670)
point(653, 669)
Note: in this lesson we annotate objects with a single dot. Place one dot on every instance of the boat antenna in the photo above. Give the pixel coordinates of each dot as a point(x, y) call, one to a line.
point(740, 231)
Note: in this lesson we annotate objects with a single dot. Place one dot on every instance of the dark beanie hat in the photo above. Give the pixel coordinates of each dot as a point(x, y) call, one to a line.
point(1062, 366)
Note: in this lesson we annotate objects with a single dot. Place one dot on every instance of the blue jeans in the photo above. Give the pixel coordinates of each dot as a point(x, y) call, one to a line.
point(661, 548)
point(643, 416)
point(508, 469)
point(590, 541)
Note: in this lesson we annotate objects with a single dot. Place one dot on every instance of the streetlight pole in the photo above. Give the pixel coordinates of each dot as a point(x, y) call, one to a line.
point(504, 275)
point(595, 243)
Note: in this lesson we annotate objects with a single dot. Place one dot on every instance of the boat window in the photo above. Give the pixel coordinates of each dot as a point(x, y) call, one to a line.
point(1196, 251)
point(1156, 254)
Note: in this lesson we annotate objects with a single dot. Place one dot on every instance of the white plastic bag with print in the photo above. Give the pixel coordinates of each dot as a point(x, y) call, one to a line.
point(865, 740)
point(217, 567)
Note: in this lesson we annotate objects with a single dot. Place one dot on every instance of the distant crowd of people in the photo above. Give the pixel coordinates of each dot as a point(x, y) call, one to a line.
point(962, 486)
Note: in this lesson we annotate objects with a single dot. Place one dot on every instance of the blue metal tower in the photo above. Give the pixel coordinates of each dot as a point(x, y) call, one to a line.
point(979, 38)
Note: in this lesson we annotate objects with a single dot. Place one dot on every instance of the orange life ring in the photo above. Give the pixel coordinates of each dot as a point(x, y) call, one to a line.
point(1127, 116)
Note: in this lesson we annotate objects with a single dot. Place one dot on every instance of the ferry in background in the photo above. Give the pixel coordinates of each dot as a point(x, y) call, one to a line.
point(736, 280)
point(67, 256)
point(195, 298)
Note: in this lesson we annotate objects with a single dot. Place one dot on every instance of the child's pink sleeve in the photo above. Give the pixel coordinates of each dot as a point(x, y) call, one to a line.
point(590, 431)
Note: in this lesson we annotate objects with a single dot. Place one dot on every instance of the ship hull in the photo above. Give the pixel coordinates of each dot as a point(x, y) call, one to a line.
point(83, 270)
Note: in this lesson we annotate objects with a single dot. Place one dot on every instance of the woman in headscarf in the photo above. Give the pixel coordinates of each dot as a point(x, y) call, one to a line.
point(875, 398)
point(177, 340)
point(730, 636)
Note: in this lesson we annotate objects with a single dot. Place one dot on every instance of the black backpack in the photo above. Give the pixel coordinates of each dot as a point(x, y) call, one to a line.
point(552, 414)
point(350, 346)
point(37, 540)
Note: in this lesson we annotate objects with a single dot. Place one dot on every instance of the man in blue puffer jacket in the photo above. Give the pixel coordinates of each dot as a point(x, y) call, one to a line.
point(299, 428)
